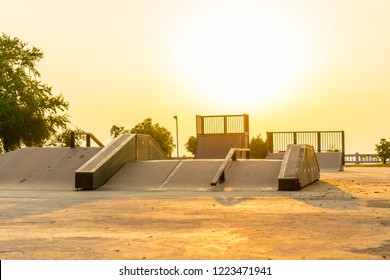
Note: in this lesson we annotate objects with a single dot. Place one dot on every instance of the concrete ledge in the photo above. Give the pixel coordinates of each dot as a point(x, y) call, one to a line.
point(299, 168)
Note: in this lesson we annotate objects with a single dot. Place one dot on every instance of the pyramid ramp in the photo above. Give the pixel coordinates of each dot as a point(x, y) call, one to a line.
point(299, 168)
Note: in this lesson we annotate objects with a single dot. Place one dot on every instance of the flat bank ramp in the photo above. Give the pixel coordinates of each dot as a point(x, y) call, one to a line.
point(195, 175)
point(164, 175)
point(43, 168)
point(330, 162)
point(252, 175)
point(141, 175)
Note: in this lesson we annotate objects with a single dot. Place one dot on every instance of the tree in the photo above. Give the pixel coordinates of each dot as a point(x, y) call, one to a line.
point(118, 130)
point(29, 112)
point(258, 147)
point(62, 138)
point(191, 145)
point(383, 150)
point(161, 135)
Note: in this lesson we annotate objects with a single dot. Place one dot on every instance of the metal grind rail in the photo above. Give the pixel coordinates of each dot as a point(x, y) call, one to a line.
point(231, 156)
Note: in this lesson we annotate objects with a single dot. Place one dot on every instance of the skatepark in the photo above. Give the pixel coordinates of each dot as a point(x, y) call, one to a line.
point(129, 201)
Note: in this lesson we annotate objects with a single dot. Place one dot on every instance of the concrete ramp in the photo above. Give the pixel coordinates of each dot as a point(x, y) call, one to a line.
point(195, 175)
point(142, 175)
point(252, 175)
point(192, 175)
point(164, 175)
point(330, 162)
point(124, 148)
point(299, 168)
point(217, 146)
point(43, 168)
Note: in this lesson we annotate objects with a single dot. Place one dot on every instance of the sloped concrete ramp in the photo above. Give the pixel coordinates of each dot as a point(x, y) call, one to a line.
point(195, 175)
point(141, 175)
point(192, 175)
point(330, 162)
point(164, 175)
point(252, 175)
point(42, 168)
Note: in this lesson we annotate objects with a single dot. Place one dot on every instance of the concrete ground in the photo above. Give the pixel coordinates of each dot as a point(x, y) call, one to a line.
point(345, 215)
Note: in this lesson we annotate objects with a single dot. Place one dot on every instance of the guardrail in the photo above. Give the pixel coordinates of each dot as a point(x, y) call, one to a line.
point(88, 135)
point(220, 175)
point(362, 158)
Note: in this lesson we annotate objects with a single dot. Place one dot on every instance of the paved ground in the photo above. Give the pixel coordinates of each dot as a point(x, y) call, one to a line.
point(345, 215)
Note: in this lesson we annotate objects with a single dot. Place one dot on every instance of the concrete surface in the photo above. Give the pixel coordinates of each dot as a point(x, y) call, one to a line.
point(344, 215)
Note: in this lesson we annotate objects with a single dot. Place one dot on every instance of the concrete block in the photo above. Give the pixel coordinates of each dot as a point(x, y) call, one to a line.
point(299, 168)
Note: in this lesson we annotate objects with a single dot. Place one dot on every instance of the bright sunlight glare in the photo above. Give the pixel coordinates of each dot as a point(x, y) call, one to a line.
point(243, 57)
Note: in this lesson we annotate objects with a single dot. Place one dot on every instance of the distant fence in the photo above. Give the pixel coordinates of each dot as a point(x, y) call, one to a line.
point(224, 124)
point(362, 158)
point(322, 141)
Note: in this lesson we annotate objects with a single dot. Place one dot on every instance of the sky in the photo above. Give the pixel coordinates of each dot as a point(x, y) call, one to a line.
point(300, 65)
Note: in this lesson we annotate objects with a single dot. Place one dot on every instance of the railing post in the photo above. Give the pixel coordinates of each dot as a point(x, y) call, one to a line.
point(234, 157)
point(295, 138)
point(357, 158)
point(319, 142)
point(72, 141)
point(88, 140)
point(343, 147)
point(270, 142)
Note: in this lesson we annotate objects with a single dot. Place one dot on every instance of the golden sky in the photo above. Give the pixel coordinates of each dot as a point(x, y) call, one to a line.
point(290, 65)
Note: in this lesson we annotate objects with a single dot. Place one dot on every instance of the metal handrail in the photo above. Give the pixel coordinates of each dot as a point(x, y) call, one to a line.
point(220, 175)
point(89, 136)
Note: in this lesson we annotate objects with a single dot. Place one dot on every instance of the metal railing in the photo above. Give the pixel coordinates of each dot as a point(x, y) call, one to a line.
point(88, 138)
point(231, 156)
point(322, 141)
point(223, 124)
point(358, 158)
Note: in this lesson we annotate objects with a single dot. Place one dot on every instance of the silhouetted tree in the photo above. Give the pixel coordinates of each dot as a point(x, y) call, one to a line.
point(383, 150)
point(29, 112)
point(258, 147)
point(191, 145)
point(118, 130)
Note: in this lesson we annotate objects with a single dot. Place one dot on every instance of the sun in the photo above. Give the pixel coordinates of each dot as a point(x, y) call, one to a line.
point(241, 56)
